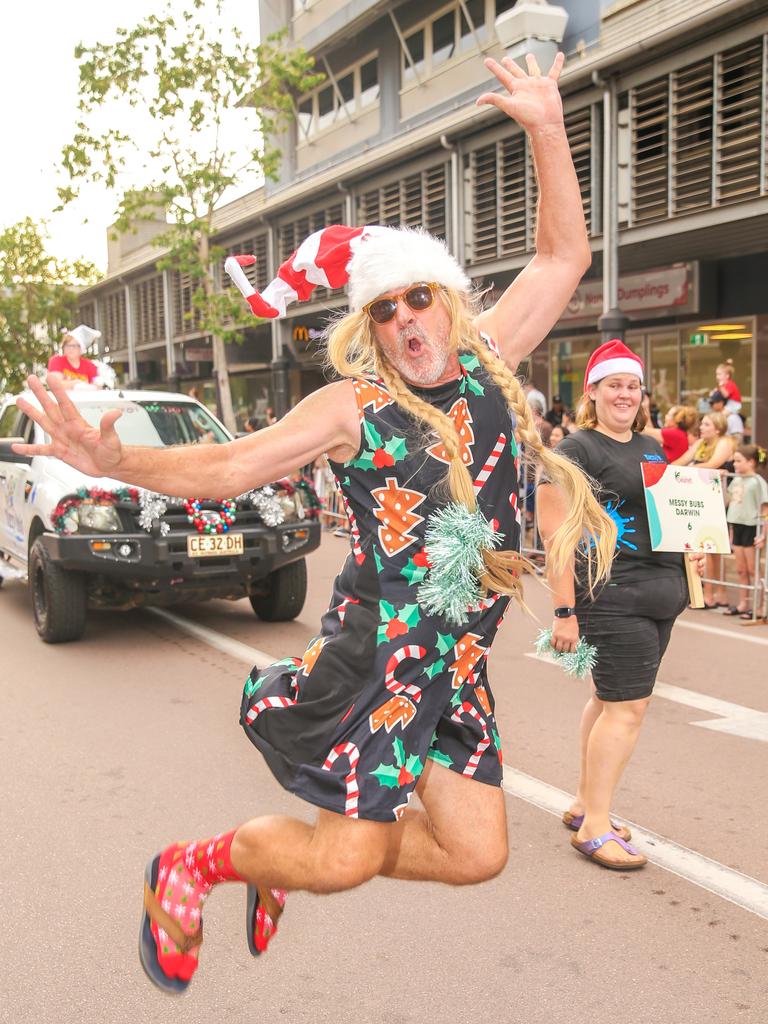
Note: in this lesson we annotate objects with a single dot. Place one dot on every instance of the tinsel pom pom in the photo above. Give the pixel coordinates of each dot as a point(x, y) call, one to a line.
point(576, 663)
point(454, 544)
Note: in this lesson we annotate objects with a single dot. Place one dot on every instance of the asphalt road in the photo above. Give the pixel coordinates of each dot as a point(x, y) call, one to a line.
point(112, 747)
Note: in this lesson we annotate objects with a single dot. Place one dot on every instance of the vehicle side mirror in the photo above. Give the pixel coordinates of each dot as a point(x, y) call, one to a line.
point(8, 455)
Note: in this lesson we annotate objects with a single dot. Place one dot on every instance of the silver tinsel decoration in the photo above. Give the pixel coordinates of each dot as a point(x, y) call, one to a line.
point(153, 508)
point(267, 504)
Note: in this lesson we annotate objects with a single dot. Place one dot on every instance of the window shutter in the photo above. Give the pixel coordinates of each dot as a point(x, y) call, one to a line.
point(692, 110)
point(115, 327)
point(578, 127)
point(435, 200)
point(650, 150)
point(482, 224)
point(738, 120)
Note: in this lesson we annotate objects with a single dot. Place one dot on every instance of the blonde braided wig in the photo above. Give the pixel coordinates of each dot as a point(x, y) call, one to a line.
point(352, 351)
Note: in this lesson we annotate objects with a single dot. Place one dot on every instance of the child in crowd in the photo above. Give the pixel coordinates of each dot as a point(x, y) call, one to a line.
point(727, 386)
point(747, 501)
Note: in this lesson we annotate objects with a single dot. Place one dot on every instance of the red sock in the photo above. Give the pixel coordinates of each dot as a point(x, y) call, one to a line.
point(186, 874)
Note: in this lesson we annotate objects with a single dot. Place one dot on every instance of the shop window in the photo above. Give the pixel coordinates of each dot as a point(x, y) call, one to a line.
point(663, 379)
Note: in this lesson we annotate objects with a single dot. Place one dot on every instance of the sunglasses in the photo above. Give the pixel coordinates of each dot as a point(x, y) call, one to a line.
point(418, 297)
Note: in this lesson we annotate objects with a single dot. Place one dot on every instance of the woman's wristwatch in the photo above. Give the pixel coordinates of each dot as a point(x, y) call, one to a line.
point(564, 612)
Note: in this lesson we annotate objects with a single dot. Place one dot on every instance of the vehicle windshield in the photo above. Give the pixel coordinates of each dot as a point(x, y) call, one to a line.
point(157, 424)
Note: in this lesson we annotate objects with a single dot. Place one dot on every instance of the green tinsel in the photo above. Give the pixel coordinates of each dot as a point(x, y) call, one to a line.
point(454, 543)
point(577, 663)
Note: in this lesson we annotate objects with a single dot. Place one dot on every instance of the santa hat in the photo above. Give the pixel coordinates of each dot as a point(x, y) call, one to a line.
point(372, 259)
point(612, 357)
point(83, 335)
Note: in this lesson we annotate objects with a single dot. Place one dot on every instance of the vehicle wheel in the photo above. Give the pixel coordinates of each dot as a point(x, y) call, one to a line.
point(59, 598)
point(286, 591)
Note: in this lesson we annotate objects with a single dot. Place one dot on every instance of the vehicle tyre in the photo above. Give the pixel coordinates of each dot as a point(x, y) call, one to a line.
point(59, 598)
point(285, 593)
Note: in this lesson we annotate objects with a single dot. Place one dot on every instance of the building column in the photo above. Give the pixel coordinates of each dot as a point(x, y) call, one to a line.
point(613, 323)
point(133, 365)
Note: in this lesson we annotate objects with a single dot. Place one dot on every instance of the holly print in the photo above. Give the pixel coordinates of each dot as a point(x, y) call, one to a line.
point(379, 454)
point(435, 668)
point(395, 622)
point(403, 772)
point(469, 363)
point(462, 420)
point(445, 642)
point(395, 510)
point(252, 685)
point(497, 744)
point(435, 754)
point(416, 568)
point(467, 652)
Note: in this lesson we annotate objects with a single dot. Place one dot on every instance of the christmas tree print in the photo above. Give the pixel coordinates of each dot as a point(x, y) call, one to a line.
point(482, 699)
point(395, 510)
point(395, 622)
point(467, 653)
point(469, 363)
point(404, 771)
point(371, 394)
point(311, 655)
point(399, 710)
point(462, 420)
point(378, 454)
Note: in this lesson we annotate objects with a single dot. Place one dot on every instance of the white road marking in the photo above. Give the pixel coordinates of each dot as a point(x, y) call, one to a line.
point(743, 634)
point(744, 891)
point(250, 655)
point(747, 723)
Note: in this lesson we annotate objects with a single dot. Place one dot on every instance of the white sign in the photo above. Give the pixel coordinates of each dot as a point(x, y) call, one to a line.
point(686, 510)
point(649, 292)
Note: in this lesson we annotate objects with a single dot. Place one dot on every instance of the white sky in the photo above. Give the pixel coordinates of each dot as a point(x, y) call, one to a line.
point(38, 90)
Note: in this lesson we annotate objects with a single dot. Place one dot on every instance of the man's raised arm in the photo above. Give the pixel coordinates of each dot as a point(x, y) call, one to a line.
point(324, 421)
point(532, 304)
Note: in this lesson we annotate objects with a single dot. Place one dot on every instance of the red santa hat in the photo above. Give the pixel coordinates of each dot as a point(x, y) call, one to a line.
point(372, 260)
point(612, 357)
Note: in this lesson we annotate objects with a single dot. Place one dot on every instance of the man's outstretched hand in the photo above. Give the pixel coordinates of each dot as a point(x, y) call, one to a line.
point(532, 99)
point(96, 451)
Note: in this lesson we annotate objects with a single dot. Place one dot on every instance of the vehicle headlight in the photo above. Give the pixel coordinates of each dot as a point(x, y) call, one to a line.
point(99, 518)
point(288, 505)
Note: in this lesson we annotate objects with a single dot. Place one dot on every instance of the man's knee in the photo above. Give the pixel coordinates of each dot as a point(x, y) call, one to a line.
point(480, 863)
point(349, 857)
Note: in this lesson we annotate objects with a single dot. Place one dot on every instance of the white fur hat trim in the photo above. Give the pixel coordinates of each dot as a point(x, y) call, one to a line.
point(393, 258)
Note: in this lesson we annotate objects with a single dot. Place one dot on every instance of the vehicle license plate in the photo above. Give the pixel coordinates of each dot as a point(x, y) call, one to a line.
point(203, 545)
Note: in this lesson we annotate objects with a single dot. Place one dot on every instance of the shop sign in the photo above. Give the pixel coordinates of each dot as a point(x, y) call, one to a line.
point(198, 354)
point(647, 294)
point(304, 334)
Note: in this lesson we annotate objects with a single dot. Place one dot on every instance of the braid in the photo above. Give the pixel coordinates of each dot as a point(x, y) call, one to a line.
point(585, 515)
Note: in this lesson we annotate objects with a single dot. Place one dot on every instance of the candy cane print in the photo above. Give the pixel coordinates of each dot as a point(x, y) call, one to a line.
point(409, 651)
point(350, 751)
point(513, 501)
point(341, 609)
point(268, 702)
point(466, 709)
point(356, 546)
point(490, 464)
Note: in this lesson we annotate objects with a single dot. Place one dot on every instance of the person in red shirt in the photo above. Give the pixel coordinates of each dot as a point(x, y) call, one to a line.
point(727, 386)
point(673, 437)
point(71, 367)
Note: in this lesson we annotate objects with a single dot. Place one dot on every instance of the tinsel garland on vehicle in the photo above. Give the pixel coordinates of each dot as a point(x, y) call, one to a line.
point(96, 495)
point(153, 506)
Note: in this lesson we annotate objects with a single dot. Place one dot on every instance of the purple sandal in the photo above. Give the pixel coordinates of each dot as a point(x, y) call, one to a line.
point(575, 821)
point(590, 848)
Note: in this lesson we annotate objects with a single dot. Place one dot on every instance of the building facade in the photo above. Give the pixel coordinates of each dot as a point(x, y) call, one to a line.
point(666, 105)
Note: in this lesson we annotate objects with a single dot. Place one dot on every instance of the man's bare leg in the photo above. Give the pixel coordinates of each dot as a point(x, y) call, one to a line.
point(459, 838)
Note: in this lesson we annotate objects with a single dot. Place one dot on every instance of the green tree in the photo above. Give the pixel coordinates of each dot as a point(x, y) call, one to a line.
point(210, 103)
point(38, 296)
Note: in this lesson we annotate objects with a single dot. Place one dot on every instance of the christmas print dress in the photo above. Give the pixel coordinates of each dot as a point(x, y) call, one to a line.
point(386, 685)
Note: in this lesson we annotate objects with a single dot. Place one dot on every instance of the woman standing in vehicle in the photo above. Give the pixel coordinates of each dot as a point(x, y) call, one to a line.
point(630, 619)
